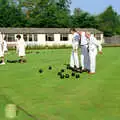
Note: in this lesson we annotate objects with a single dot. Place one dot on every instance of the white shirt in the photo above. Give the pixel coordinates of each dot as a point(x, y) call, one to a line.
point(93, 43)
point(76, 38)
point(84, 40)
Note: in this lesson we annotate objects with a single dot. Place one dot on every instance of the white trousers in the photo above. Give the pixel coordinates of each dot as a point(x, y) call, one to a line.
point(85, 57)
point(92, 57)
point(74, 60)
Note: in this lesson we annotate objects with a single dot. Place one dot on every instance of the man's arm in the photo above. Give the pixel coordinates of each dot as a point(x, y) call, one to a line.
point(97, 43)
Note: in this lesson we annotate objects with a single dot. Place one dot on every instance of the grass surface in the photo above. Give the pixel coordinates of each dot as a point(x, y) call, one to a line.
point(46, 96)
point(21, 115)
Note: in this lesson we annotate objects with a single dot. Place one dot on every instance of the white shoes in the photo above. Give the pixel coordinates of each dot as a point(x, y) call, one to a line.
point(3, 63)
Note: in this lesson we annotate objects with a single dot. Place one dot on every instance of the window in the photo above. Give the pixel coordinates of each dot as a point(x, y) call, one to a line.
point(64, 37)
point(11, 37)
point(30, 37)
point(49, 37)
point(25, 37)
point(35, 37)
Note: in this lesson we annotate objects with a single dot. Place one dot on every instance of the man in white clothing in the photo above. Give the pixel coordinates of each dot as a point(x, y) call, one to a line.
point(74, 60)
point(93, 44)
point(20, 47)
point(84, 52)
point(2, 49)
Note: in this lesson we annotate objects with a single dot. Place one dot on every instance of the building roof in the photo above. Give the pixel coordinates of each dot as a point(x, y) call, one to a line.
point(45, 30)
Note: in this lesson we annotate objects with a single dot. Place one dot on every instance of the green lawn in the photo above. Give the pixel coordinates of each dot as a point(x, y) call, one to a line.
point(21, 115)
point(46, 96)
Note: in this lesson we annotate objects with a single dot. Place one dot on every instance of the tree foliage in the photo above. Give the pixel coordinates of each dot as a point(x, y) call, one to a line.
point(109, 22)
point(10, 15)
point(55, 13)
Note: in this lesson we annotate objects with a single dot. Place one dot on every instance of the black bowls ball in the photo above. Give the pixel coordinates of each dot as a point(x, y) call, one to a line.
point(62, 76)
point(59, 73)
point(62, 70)
point(40, 71)
point(73, 74)
point(77, 76)
point(0, 61)
point(68, 67)
point(50, 68)
point(24, 60)
point(66, 75)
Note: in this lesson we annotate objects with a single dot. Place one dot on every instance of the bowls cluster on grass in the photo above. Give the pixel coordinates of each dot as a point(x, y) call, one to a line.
point(62, 73)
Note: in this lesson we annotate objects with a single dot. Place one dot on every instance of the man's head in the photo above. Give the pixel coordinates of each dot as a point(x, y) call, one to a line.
point(72, 30)
point(80, 32)
point(18, 36)
point(95, 35)
point(87, 34)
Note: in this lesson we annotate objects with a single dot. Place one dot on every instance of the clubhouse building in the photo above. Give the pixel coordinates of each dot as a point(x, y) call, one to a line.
point(45, 36)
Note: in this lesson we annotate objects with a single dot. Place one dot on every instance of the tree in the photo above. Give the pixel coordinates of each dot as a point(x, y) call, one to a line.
point(63, 13)
point(48, 13)
point(109, 22)
point(10, 15)
point(83, 19)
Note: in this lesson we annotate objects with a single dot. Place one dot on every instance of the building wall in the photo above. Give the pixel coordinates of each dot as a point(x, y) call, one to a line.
point(57, 41)
point(41, 40)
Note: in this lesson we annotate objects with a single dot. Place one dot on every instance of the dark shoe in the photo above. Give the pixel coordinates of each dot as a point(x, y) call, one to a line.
point(78, 70)
point(88, 70)
point(84, 70)
point(80, 67)
point(71, 68)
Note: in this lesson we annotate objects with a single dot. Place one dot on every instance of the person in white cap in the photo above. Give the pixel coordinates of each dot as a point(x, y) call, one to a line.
point(20, 47)
point(84, 52)
point(74, 60)
point(2, 49)
point(93, 45)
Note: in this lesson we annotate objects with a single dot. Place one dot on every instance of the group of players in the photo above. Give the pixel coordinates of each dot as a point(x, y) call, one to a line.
point(20, 45)
point(88, 44)
point(85, 40)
